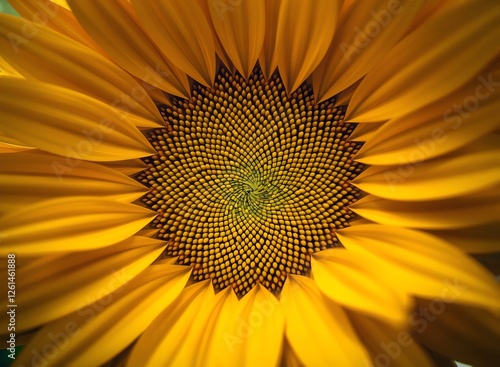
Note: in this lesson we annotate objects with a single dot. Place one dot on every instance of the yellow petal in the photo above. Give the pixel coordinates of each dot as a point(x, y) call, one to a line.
point(347, 278)
point(221, 344)
point(56, 59)
point(177, 332)
point(387, 345)
point(345, 96)
point(441, 178)
point(430, 9)
point(319, 335)
point(6, 70)
point(32, 176)
point(121, 317)
point(204, 4)
point(181, 31)
point(127, 167)
point(67, 123)
point(403, 82)
point(424, 265)
point(305, 31)
point(462, 333)
point(56, 285)
point(444, 126)
point(11, 148)
point(364, 37)
point(114, 25)
point(365, 132)
point(466, 211)
point(260, 312)
point(9, 140)
point(70, 224)
point(476, 240)
point(240, 26)
point(54, 15)
point(267, 58)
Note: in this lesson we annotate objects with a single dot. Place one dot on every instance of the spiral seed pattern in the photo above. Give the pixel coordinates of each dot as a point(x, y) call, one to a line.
point(250, 181)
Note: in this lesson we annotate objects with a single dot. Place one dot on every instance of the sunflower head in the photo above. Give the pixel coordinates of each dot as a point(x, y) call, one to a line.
point(251, 182)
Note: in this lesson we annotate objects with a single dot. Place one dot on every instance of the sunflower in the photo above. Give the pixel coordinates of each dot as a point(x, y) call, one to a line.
point(251, 183)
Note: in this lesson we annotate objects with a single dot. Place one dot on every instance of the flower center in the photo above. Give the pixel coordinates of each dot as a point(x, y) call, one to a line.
point(250, 180)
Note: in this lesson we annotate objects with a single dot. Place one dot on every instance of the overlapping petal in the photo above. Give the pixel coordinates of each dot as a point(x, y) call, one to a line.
point(444, 126)
point(305, 31)
point(70, 224)
point(424, 265)
point(114, 25)
point(121, 317)
point(53, 14)
point(267, 58)
point(175, 24)
point(388, 345)
point(466, 211)
point(312, 327)
point(474, 332)
point(448, 176)
point(475, 240)
point(240, 26)
point(365, 34)
point(348, 278)
point(56, 59)
point(178, 330)
point(68, 123)
point(55, 285)
point(37, 176)
point(402, 83)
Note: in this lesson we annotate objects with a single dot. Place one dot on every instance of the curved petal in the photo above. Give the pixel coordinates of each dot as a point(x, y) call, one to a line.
point(56, 285)
point(347, 278)
point(402, 83)
point(55, 16)
point(67, 123)
point(173, 336)
point(444, 177)
point(224, 332)
point(6, 70)
point(389, 346)
point(319, 335)
point(305, 31)
point(475, 240)
point(70, 224)
point(33, 176)
point(11, 145)
point(261, 312)
point(449, 124)
point(463, 333)
point(204, 4)
point(12, 148)
point(127, 167)
point(424, 265)
point(365, 132)
point(173, 25)
point(120, 317)
point(113, 24)
point(267, 58)
point(345, 96)
point(465, 211)
point(240, 26)
point(365, 35)
point(56, 59)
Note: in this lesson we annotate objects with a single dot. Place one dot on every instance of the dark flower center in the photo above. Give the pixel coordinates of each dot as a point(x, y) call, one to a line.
point(250, 180)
